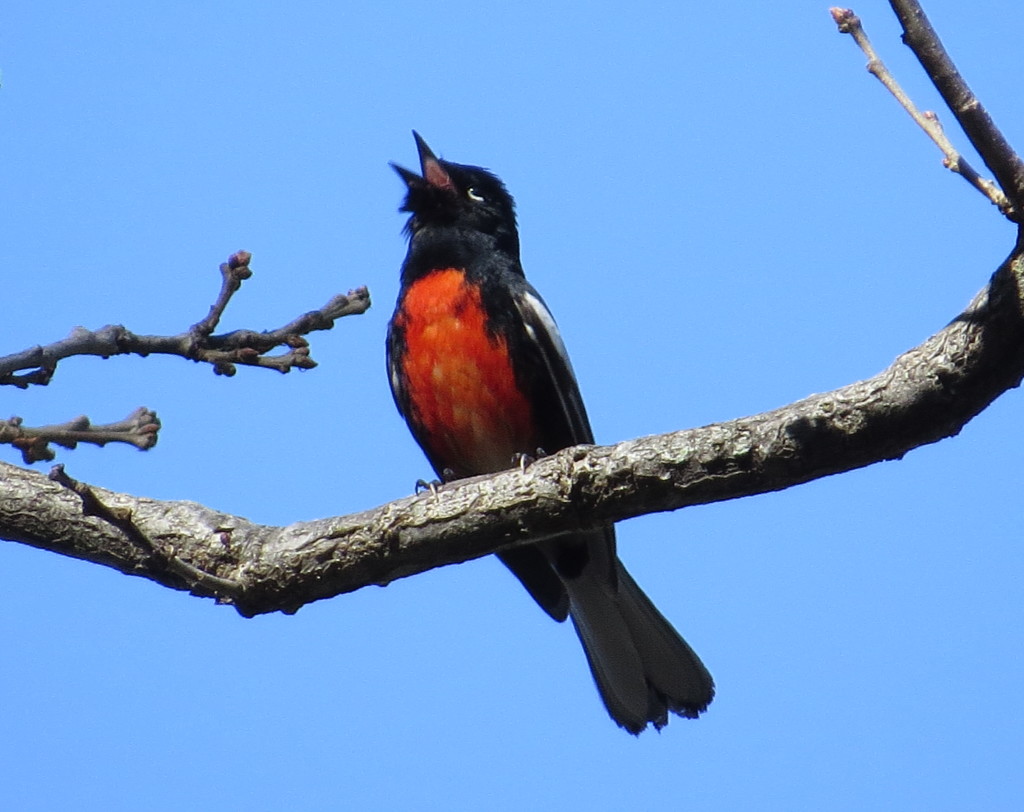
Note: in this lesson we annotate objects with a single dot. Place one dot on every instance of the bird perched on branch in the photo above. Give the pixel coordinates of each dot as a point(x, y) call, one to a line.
point(479, 372)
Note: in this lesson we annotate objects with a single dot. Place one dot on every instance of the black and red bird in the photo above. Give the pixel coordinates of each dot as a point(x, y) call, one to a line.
point(481, 376)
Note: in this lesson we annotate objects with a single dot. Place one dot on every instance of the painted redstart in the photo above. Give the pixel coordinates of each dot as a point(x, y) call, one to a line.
point(479, 372)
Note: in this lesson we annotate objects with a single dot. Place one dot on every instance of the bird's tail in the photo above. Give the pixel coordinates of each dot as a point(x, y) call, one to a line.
point(642, 666)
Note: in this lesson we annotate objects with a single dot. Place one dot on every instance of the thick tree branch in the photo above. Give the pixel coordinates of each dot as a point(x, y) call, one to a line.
point(36, 365)
point(928, 393)
point(121, 518)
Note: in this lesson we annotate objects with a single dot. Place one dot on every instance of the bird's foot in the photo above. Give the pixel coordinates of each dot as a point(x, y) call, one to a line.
point(522, 460)
point(434, 485)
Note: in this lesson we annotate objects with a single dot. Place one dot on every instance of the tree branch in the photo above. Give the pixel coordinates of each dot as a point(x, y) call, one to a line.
point(972, 116)
point(123, 520)
point(224, 352)
point(928, 393)
point(138, 429)
point(849, 23)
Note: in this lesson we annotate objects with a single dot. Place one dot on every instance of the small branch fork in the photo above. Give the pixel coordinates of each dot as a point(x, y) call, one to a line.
point(849, 23)
point(138, 429)
point(970, 113)
point(224, 352)
point(36, 365)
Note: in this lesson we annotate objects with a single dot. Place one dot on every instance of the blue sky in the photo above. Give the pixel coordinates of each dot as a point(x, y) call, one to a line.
point(725, 213)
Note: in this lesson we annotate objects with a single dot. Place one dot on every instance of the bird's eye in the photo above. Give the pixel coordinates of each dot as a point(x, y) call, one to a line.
point(474, 195)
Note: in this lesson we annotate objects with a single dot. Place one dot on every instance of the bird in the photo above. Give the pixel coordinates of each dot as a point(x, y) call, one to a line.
point(480, 374)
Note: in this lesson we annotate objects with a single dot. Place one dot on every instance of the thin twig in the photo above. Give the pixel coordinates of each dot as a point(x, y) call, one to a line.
point(202, 583)
point(970, 113)
point(849, 23)
point(223, 352)
point(139, 429)
point(233, 272)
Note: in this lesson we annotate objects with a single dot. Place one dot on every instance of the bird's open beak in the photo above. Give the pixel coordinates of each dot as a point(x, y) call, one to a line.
point(433, 175)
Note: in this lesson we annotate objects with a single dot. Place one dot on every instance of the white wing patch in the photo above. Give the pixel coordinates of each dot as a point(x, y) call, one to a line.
point(396, 381)
point(542, 330)
point(539, 313)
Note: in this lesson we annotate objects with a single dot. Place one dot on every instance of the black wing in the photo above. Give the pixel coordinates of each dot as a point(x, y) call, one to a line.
point(554, 388)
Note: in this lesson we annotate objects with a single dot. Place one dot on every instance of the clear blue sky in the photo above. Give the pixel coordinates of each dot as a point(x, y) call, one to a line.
point(725, 212)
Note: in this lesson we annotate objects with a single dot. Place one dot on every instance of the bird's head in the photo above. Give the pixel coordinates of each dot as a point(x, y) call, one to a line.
point(447, 194)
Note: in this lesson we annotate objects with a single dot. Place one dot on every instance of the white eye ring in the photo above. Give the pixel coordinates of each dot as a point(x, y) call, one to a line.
point(474, 195)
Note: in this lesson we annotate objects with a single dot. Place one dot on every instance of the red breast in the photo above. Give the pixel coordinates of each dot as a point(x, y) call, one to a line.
point(459, 378)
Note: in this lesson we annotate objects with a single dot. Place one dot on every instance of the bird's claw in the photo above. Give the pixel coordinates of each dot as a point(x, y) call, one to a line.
point(522, 460)
point(434, 485)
